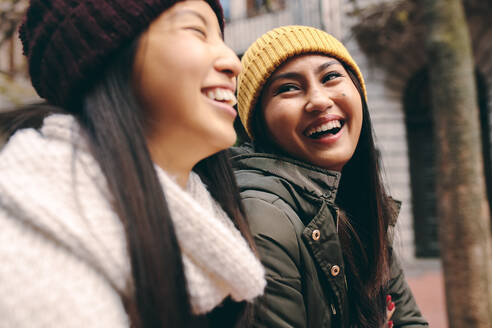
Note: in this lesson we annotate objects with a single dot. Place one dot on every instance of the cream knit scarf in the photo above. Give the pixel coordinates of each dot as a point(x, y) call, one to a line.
point(217, 260)
point(50, 182)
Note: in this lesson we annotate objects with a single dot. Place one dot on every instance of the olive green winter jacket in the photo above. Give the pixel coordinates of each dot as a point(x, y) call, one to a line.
point(292, 216)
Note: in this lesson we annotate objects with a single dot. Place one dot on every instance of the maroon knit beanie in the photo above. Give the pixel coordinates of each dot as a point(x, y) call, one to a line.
point(69, 42)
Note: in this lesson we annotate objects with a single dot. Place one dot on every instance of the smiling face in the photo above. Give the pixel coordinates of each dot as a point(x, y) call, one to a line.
point(184, 76)
point(313, 111)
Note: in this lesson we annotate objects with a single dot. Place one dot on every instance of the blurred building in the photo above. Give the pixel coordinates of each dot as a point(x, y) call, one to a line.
point(248, 19)
point(14, 85)
point(385, 39)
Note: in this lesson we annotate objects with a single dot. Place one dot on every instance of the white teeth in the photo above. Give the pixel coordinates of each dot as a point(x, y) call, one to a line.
point(223, 95)
point(219, 94)
point(325, 127)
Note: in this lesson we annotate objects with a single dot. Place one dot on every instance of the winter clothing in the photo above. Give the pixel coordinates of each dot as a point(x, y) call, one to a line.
point(69, 43)
point(63, 248)
point(272, 49)
point(293, 218)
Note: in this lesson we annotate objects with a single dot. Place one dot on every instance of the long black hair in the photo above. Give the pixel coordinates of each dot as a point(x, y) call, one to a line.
point(112, 122)
point(363, 226)
point(366, 211)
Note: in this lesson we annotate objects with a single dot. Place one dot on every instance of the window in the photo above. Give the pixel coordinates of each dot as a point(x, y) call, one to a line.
point(259, 7)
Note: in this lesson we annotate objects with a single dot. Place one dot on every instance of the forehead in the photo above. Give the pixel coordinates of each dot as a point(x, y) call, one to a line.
point(185, 9)
point(306, 61)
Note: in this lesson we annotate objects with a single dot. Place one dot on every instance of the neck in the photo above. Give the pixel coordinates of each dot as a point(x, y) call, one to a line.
point(173, 161)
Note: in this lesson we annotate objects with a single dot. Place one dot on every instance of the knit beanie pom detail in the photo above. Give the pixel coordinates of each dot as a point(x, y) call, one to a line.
point(274, 48)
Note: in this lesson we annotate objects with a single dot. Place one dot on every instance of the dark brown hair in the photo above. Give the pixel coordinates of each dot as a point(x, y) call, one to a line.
point(366, 211)
point(363, 229)
point(111, 119)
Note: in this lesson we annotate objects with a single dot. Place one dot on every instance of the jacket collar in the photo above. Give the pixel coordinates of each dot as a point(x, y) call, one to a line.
point(313, 180)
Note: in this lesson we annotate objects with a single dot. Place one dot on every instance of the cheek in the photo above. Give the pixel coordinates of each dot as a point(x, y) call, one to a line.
point(281, 118)
point(155, 93)
point(358, 115)
point(271, 118)
point(357, 118)
point(352, 104)
point(165, 84)
point(274, 123)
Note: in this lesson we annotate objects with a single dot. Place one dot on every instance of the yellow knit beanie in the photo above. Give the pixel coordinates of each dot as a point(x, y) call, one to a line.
point(274, 48)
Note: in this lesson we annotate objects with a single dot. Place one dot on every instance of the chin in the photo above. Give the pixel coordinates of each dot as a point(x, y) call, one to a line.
point(328, 164)
point(224, 141)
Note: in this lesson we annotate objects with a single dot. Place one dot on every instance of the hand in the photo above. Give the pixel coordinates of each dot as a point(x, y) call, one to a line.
point(390, 309)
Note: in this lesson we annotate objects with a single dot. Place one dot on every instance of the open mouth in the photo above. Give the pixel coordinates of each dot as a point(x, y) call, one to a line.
point(328, 128)
point(221, 95)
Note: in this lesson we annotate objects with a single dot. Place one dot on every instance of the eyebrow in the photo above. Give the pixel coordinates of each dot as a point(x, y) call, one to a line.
point(324, 66)
point(183, 12)
point(295, 75)
point(288, 75)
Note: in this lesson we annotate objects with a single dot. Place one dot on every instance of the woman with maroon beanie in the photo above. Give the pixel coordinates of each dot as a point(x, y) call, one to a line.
point(118, 207)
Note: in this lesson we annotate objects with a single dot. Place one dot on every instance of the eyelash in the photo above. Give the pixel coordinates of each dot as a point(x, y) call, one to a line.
point(330, 76)
point(292, 87)
point(285, 88)
point(199, 30)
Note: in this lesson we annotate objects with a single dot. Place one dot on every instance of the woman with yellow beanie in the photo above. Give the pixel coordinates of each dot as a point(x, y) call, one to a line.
point(311, 186)
point(118, 206)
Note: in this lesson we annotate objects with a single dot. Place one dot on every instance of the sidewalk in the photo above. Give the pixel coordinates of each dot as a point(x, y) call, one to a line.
point(426, 281)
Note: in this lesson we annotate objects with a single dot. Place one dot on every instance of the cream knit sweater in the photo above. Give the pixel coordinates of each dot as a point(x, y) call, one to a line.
point(63, 256)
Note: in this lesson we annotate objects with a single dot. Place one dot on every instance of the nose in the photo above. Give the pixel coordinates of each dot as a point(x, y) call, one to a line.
point(319, 99)
point(228, 62)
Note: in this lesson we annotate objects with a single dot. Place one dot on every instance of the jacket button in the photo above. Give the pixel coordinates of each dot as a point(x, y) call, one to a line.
point(335, 270)
point(316, 234)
